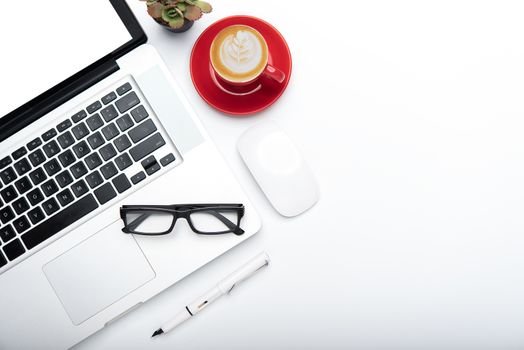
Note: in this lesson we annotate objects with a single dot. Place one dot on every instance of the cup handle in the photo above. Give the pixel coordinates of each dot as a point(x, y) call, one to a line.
point(274, 73)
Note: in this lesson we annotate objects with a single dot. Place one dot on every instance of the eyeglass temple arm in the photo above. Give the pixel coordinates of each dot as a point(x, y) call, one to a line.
point(232, 226)
point(134, 224)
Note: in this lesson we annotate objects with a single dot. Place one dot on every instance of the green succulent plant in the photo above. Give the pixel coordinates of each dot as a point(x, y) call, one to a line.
point(175, 12)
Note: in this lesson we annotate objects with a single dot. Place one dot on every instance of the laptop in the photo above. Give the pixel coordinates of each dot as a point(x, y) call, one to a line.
point(92, 119)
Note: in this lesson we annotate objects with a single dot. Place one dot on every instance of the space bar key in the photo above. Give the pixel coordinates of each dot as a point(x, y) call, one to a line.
point(59, 221)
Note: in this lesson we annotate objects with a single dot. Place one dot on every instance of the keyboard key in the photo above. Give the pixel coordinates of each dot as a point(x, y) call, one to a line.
point(121, 183)
point(149, 161)
point(65, 197)
point(93, 107)
point(127, 102)
point(22, 166)
point(138, 177)
point(36, 215)
point(35, 196)
point(37, 157)
point(79, 116)
point(94, 179)
point(34, 144)
point(64, 125)
point(37, 176)
point(105, 193)
point(5, 162)
point(8, 175)
point(23, 185)
point(93, 160)
point(94, 122)
point(59, 221)
point(65, 140)
point(108, 98)
point(96, 140)
point(147, 146)
point(167, 159)
point(122, 142)
point(14, 249)
point(20, 205)
point(19, 153)
point(109, 113)
point(49, 187)
point(64, 179)
point(107, 152)
point(123, 89)
point(78, 169)
point(50, 206)
point(51, 148)
point(81, 149)
point(6, 214)
point(8, 194)
point(79, 188)
point(7, 233)
point(80, 131)
point(142, 130)
point(21, 224)
point(123, 161)
point(48, 135)
point(66, 158)
point(108, 170)
point(153, 169)
point(52, 167)
point(124, 122)
point(3, 260)
point(110, 131)
point(139, 114)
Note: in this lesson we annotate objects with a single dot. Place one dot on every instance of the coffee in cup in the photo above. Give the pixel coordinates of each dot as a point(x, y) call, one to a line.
point(239, 55)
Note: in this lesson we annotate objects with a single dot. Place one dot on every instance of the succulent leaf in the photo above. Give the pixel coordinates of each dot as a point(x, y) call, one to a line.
point(181, 6)
point(168, 14)
point(155, 10)
point(193, 13)
point(204, 6)
point(176, 22)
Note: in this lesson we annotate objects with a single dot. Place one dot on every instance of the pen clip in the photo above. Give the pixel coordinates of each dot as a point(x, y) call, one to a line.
point(246, 277)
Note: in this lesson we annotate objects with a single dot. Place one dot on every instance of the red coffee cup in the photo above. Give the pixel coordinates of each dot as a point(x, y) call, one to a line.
point(239, 56)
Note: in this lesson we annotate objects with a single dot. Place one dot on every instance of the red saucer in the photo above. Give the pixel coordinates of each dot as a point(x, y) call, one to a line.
point(266, 91)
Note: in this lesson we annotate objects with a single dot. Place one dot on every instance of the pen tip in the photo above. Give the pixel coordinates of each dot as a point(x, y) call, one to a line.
point(157, 332)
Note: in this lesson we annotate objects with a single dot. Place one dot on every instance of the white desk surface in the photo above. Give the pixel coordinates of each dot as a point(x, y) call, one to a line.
point(411, 114)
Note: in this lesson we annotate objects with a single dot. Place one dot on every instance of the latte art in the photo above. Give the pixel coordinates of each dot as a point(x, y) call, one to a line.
point(239, 53)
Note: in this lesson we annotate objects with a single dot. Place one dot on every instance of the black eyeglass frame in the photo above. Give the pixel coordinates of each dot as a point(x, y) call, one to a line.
point(184, 211)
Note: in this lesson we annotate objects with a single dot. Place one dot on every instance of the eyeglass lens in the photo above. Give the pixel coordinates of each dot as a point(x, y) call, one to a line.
point(214, 220)
point(149, 222)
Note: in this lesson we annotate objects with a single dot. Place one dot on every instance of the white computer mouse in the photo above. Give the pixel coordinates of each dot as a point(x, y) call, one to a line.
point(279, 168)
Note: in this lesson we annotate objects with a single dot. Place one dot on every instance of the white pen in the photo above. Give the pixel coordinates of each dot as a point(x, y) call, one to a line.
point(223, 287)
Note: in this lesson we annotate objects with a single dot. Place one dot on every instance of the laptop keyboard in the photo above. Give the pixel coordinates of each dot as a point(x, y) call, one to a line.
point(98, 154)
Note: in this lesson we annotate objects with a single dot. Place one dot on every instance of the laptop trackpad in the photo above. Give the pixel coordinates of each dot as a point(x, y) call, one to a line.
point(98, 272)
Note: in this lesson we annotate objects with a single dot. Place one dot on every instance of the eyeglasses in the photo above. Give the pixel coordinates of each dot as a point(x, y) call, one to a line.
point(205, 219)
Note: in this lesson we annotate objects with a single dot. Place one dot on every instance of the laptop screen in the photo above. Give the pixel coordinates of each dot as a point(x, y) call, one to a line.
point(42, 47)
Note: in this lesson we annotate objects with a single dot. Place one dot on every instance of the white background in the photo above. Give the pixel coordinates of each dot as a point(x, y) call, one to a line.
point(411, 115)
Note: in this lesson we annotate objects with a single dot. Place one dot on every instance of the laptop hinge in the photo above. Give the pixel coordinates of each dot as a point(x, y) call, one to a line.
point(58, 98)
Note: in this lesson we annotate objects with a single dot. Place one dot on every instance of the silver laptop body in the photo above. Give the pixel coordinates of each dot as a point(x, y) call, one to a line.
point(64, 286)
